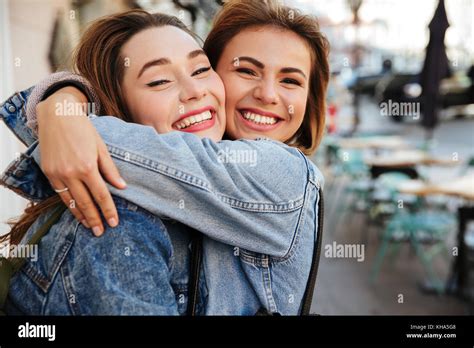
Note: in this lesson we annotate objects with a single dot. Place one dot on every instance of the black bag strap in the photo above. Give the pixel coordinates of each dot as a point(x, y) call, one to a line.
point(8, 267)
point(308, 294)
point(194, 272)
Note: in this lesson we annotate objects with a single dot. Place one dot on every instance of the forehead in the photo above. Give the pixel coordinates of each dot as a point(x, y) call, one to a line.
point(158, 42)
point(272, 46)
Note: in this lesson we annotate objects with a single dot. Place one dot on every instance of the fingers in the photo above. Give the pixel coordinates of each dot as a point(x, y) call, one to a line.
point(69, 201)
point(108, 168)
point(102, 197)
point(85, 204)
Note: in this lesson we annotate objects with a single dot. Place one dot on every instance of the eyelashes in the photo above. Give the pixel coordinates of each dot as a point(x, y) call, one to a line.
point(286, 80)
point(246, 71)
point(291, 81)
point(162, 82)
point(200, 71)
point(157, 83)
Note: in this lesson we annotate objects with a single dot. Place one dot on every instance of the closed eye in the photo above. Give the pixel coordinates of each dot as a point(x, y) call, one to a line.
point(291, 81)
point(200, 71)
point(246, 71)
point(157, 83)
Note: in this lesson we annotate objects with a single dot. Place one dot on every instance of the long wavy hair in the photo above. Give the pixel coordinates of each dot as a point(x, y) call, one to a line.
point(238, 15)
point(97, 58)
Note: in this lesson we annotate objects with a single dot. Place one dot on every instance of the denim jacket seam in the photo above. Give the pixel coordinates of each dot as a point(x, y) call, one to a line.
point(38, 279)
point(316, 183)
point(68, 291)
point(18, 101)
point(283, 207)
point(16, 190)
point(44, 281)
point(142, 161)
point(291, 253)
point(11, 173)
point(267, 285)
point(252, 259)
point(296, 236)
point(139, 160)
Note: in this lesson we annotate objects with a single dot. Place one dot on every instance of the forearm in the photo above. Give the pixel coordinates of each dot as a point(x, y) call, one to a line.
point(66, 102)
point(73, 88)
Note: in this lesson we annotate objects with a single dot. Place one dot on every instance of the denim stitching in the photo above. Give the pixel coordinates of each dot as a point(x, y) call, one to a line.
point(139, 160)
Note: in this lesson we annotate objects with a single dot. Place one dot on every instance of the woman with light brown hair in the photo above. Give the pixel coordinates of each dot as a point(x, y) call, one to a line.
point(263, 219)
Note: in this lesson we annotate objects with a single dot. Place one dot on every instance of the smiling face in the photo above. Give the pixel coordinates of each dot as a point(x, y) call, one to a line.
point(266, 73)
point(169, 84)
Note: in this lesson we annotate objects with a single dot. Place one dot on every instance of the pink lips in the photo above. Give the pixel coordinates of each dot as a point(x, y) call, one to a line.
point(260, 127)
point(198, 126)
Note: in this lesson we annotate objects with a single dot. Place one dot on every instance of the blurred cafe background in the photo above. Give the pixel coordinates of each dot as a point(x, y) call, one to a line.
point(398, 154)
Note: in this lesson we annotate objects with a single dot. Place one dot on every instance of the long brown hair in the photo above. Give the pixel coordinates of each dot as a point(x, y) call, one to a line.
point(97, 58)
point(238, 15)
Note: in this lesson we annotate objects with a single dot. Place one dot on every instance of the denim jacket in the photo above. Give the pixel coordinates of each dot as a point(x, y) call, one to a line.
point(259, 217)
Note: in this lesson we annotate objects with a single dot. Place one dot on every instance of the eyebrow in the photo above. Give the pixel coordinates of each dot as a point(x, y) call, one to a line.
point(260, 65)
point(164, 61)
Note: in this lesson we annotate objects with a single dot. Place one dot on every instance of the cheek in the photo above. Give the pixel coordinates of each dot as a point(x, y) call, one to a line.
point(298, 99)
point(216, 86)
point(233, 89)
point(152, 109)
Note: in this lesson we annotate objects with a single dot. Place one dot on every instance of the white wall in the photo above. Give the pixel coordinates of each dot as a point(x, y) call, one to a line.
point(10, 204)
point(25, 33)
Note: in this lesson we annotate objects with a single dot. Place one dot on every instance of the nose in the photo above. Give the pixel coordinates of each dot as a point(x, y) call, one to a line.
point(265, 92)
point(192, 89)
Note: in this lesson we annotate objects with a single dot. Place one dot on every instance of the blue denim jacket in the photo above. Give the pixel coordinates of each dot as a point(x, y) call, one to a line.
point(259, 218)
point(140, 267)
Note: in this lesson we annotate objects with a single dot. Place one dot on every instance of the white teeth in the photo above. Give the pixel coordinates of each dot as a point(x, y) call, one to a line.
point(188, 121)
point(259, 118)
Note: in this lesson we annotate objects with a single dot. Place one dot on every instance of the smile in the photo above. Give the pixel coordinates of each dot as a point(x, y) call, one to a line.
point(259, 120)
point(197, 120)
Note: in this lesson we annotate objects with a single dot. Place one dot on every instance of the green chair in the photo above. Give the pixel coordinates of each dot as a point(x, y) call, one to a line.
point(356, 193)
point(384, 197)
point(422, 230)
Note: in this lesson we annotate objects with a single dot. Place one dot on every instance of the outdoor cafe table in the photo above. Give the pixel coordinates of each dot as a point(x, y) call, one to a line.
point(403, 161)
point(375, 143)
point(462, 187)
point(406, 158)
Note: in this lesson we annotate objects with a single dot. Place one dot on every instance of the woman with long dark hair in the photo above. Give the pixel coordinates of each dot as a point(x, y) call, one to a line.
point(261, 218)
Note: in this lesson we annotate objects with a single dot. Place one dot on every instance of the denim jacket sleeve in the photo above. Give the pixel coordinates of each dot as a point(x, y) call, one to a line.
point(13, 113)
point(249, 194)
point(19, 111)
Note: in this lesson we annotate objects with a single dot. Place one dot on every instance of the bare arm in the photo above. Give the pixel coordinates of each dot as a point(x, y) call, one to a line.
point(73, 156)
